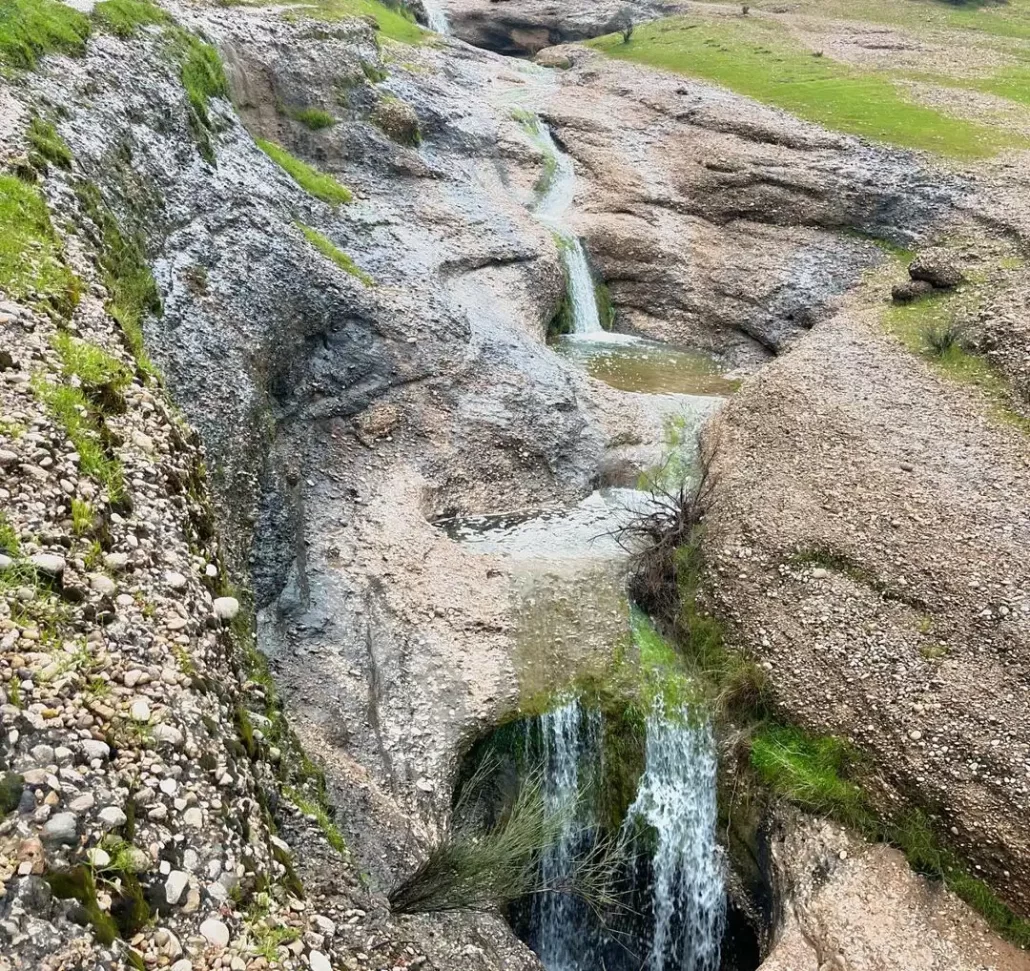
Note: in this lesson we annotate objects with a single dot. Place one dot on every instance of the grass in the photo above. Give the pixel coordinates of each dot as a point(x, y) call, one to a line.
point(757, 58)
point(203, 77)
point(314, 118)
point(47, 144)
point(9, 542)
point(30, 29)
point(311, 808)
point(32, 267)
point(934, 328)
point(124, 17)
point(82, 517)
point(93, 366)
point(132, 291)
point(810, 771)
point(311, 180)
point(395, 23)
point(69, 407)
point(268, 940)
point(329, 250)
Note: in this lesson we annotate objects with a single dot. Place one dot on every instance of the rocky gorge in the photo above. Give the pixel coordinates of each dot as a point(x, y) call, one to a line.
point(306, 485)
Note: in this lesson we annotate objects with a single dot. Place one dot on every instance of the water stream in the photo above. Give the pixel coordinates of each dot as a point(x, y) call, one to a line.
point(675, 876)
point(436, 19)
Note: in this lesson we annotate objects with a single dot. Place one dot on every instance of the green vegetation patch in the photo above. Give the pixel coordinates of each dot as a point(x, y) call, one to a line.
point(203, 76)
point(395, 22)
point(314, 118)
point(934, 328)
point(328, 249)
point(73, 411)
point(130, 284)
point(757, 58)
point(124, 17)
point(32, 267)
point(310, 179)
point(47, 144)
point(29, 29)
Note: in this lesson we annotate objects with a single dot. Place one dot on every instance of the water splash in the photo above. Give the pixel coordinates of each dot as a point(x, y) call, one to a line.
point(677, 799)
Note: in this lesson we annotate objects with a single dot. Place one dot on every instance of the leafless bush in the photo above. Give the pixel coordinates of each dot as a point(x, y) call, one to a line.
point(667, 525)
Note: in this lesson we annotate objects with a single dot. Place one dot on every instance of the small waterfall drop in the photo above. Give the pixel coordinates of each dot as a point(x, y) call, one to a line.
point(556, 199)
point(677, 799)
point(436, 19)
point(570, 738)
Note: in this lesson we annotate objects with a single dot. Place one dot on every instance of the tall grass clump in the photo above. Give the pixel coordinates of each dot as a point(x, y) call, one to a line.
point(483, 868)
point(47, 144)
point(310, 179)
point(30, 29)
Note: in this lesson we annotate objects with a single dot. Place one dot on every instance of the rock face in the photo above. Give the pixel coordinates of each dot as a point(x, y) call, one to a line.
point(521, 28)
point(718, 222)
point(857, 907)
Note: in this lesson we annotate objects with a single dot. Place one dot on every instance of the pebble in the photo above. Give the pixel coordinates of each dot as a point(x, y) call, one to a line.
point(112, 817)
point(61, 829)
point(175, 580)
point(48, 563)
point(95, 749)
point(140, 710)
point(215, 932)
point(319, 962)
point(226, 608)
point(116, 561)
point(175, 886)
point(82, 802)
point(103, 585)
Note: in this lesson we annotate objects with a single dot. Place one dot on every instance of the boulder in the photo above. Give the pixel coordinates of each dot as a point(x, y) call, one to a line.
point(935, 270)
point(397, 119)
point(910, 290)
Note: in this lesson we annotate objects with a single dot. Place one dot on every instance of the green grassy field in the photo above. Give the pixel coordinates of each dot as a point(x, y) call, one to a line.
point(758, 58)
point(394, 22)
point(1009, 19)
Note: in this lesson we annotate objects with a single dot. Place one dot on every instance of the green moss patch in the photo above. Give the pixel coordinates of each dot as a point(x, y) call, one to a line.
point(328, 249)
point(32, 267)
point(311, 180)
point(757, 57)
point(30, 29)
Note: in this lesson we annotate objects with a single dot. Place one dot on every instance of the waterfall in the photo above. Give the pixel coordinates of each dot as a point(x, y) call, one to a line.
point(560, 188)
point(677, 799)
point(570, 744)
point(436, 19)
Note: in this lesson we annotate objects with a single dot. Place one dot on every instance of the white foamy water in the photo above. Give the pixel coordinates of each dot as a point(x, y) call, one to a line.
point(436, 19)
point(676, 797)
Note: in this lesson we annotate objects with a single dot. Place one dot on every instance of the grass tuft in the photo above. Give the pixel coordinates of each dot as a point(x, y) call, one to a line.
point(311, 808)
point(82, 517)
point(310, 179)
point(314, 118)
point(48, 144)
point(70, 408)
point(944, 338)
point(93, 366)
point(30, 29)
point(130, 284)
point(9, 542)
point(329, 250)
point(32, 268)
point(124, 17)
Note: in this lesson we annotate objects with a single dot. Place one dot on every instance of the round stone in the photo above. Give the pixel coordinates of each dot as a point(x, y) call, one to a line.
point(61, 829)
point(215, 932)
point(226, 608)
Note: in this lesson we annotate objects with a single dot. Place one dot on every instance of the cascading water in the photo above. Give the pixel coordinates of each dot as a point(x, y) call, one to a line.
point(556, 199)
point(570, 740)
point(436, 19)
point(676, 798)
